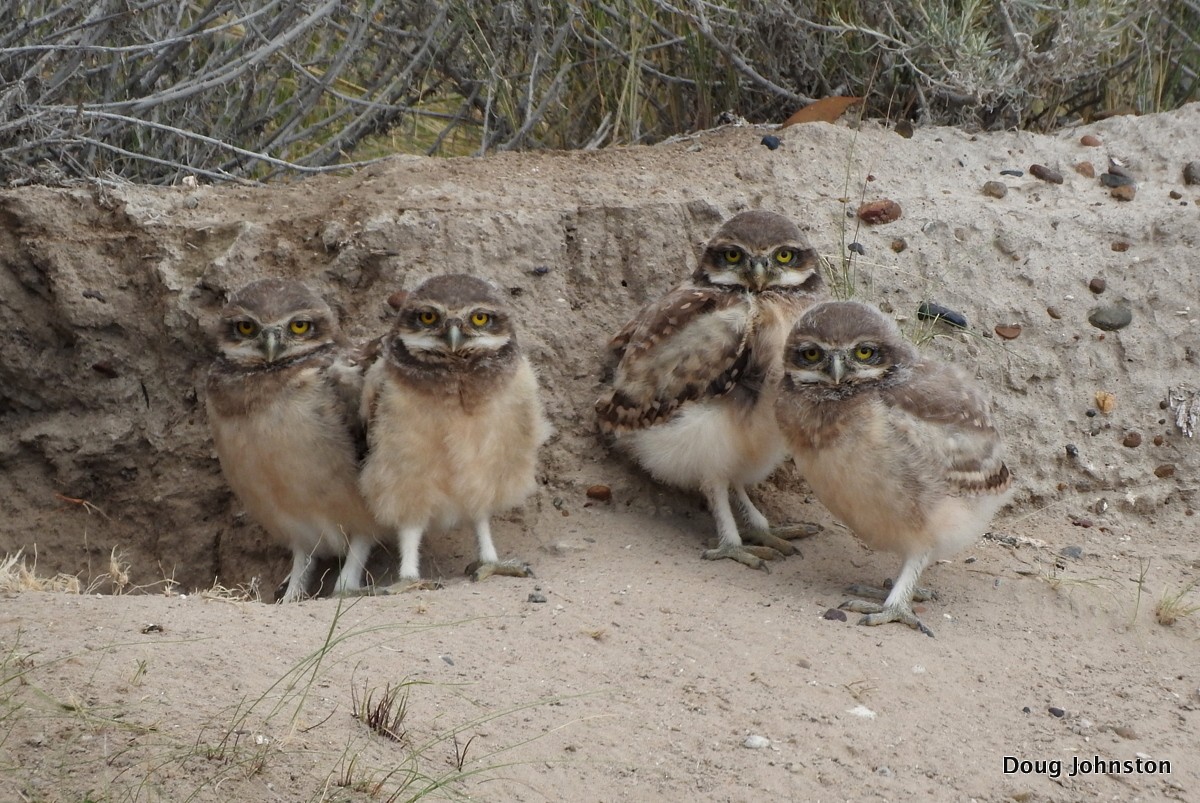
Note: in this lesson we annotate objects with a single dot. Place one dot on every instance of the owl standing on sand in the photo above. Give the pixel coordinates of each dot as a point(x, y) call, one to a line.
point(694, 390)
point(454, 420)
point(899, 447)
point(282, 399)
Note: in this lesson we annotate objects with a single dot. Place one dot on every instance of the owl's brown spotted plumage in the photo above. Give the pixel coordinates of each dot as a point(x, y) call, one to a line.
point(282, 400)
point(698, 370)
point(454, 420)
point(899, 447)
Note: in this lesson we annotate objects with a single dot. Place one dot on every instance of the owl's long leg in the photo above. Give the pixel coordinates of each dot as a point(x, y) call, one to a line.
point(898, 605)
point(729, 542)
point(350, 579)
point(760, 531)
point(489, 562)
point(410, 563)
point(298, 580)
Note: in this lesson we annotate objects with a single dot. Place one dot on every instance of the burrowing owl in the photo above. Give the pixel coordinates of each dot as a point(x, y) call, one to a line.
point(454, 420)
point(900, 448)
point(283, 407)
point(694, 390)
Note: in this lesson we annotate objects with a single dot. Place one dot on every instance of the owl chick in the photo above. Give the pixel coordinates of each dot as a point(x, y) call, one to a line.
point(900, 448)
point(282, 400)
point(694, 390)
point(454, 420)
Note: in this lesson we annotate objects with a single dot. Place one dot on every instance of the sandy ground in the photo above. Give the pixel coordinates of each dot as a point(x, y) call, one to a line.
point(646, 673)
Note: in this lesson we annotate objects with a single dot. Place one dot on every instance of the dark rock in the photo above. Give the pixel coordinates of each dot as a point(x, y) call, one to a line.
point(1165, 471)
point(834, 615)
point(1110, 318)
point(1009, 331)
point(772, 142)
point(1090, 141)
point(1046, 174)
point(1072, 450)
point(929, 311)
point(1073, 552)
point(899, 244)
point(535, 596)
point(1055, 711)
point(1017, 173)
point(1191, 173)
point(1126, 192)
point(1132, 440)
point(1097, 285)
point(601, 493)
point(1085, 169)
point(1116, 180)
point(857, 248)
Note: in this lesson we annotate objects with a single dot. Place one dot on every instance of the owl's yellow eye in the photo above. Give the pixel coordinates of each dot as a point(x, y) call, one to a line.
point(783, 256)
point(811, 354)
point(300, 327)
point(480, 319)
point(864, 353)
point(732, 256)
point(246, 328)
point(427, 317)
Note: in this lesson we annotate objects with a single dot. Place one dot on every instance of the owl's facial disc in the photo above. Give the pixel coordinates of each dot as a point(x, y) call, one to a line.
point(433, 329)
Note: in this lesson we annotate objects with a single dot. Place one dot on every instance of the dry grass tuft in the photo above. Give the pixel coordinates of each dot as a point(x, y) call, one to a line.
point(17, 575)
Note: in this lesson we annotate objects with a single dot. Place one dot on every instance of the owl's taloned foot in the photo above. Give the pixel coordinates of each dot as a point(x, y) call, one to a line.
point(920, 593)
point(755, 557)
point(478, 570)
point(404, 586)
point(877, 614)
point(780, 538)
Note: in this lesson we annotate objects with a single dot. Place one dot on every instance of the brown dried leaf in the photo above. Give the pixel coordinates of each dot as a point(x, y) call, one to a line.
point(825, 110)
point(1105, 401)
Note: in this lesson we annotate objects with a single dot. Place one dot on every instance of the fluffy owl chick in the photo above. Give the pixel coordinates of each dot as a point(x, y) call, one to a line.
point(282, 401)
point(899, 447)
point(694, 390)
point(454, 420)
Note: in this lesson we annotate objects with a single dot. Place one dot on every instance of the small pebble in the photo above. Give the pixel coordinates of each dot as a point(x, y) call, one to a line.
point(1091, 412)
point(899, 244)
point(995, 189)
point(1072, 450)
point(449, 661)
point(1046, 174)
point(1120, 246)
point(1054, 313)
point(1159, 440)
point(1125, 193)
point(1073, 552)
point(1010, 331)
point(1132, 440)
point(756, 742)
point(876, 212)
point(834, 615)
point(929, 311)
point(1165, 471)
point(536, 596)
point(772, 142)
point(905, 129)
point(540, 270)
point(106, 369)
point(1084, 523)
point(1125, 732)
point(1097, 285)
point(857, 248)
point(1175, 195)
point(396, 299)
point(1026, 710)
point(1110, 318)
point(1017, 173)
point(885, 772)
point(1085, 169)
point(1191, 173)
point(1090, 141)
point(1116, 180)
point(1055, 711)
point(601, 493)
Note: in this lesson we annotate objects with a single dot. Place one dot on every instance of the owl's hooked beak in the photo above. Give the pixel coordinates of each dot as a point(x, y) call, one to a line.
point(454, 337)
point(270, 342)
point(758, 272)
point(837, 368)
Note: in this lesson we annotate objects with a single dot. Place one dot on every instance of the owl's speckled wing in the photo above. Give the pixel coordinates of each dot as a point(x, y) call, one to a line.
point(945, 416)
point(691, 344)
point(346, 374)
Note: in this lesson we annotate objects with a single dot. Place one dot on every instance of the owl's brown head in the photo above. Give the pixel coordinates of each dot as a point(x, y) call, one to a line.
point(760, 251)
point(453, 319)
point(274, 322)
point(844, 345)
